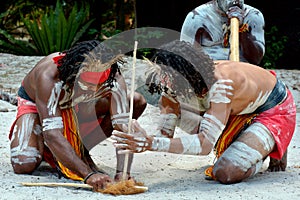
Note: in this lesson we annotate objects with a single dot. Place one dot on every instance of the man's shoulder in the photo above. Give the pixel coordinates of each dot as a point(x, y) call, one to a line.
point(252, 10)
point(205, 7)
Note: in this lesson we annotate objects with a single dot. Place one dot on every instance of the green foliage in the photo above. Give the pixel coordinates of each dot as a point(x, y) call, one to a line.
point(275, 44)
point(52, 31)
point(8, 41)
point(8, 44)
point(145, 37)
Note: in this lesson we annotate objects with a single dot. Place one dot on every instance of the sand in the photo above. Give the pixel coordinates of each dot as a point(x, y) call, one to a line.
point(167, 176)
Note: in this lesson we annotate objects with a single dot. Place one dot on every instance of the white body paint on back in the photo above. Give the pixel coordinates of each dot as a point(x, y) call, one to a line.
point(260, 100)
point(220, 90)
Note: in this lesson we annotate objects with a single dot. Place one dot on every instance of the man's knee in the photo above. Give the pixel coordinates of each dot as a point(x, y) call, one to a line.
point(27, 168)
point(227, 173)
point(26, 161)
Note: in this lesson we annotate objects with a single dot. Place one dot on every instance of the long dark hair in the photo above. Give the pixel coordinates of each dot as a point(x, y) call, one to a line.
point(193, 68)
point(71, 63)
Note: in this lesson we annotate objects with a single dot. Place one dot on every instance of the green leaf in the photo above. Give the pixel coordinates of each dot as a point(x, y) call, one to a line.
point(52, 31)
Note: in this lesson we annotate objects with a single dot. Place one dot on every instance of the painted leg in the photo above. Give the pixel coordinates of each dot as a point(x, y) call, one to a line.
point(26, 144)
point(245, 156)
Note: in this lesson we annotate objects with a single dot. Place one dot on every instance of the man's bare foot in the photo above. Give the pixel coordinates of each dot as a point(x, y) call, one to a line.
point(278, 165)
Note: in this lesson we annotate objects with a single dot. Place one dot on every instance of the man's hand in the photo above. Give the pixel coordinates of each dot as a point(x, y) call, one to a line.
point(237, 12)
point(98, 181)
point(136, 142)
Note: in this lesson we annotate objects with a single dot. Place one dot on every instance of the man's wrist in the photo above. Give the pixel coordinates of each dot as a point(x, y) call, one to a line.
point(88, 176)
point(160, 144)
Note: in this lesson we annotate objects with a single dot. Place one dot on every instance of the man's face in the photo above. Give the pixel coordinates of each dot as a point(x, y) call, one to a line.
point(88, 87)
point(92, 81)
point(224, 5)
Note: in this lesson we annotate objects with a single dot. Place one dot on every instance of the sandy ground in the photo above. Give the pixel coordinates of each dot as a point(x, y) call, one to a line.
point(168, 176)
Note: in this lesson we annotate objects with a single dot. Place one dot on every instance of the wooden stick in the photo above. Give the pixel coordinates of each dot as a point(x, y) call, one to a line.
point(131, 107)
point(51, 184)
point(79, 185)
point(234, 39)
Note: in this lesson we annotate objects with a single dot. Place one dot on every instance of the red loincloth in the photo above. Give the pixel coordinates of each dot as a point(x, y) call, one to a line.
point(281, 121)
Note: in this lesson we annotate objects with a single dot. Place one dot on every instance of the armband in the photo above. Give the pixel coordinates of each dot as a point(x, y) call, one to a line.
point(88, 176)
point(122, 118)
point(191, 144)
point(52, 123)
point(168, 123)
point(160, 144)
point(211, 127)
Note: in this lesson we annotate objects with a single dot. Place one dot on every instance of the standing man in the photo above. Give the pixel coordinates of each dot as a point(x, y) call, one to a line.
point(69, 102)
point(208, 25)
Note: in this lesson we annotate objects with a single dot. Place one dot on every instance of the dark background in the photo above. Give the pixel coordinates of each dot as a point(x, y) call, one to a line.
point(285, 15)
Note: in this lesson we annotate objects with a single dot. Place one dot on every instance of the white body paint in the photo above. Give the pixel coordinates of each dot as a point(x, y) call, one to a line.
point(189, 122)
point(54, 98)
point(122, 118)
point(52, 123)
point(211, 128)
point(120, 98)
point(242, 156)
point(216, 25)
point(263, 134)
point(161, 144)
point(142, 144)
point(260, 100)
point(220, 90)
point(167, 123)
point(23, 149)
point(191, 144)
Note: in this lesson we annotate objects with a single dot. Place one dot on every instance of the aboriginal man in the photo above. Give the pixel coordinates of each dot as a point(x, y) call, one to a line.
point(69, 102)
point(208, 25)
point(249, 113)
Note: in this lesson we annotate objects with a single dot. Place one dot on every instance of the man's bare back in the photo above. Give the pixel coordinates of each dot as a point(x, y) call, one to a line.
point(248, 81)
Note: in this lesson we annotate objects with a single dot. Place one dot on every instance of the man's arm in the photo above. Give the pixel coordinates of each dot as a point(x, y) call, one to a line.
point(210, 129)
point(52, 125)
point(252, 42)
point(251, 37)
point(119, 111)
